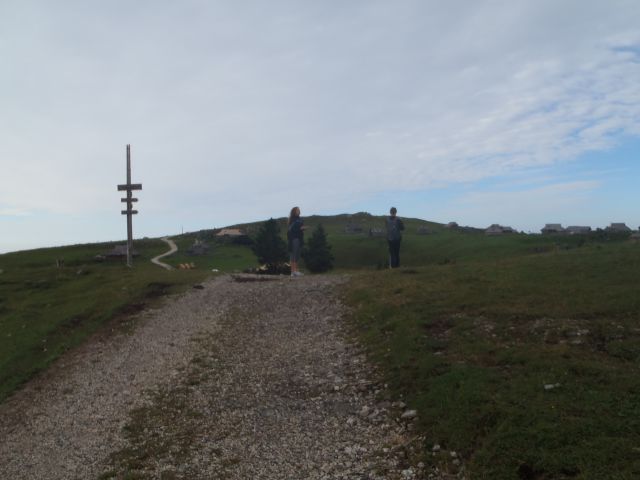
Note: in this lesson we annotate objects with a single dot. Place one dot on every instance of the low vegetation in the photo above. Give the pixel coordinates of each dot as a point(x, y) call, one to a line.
point(527, 366)
point(269, 246)
point(317, 254)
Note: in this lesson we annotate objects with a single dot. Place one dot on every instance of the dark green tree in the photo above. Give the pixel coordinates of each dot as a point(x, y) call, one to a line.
point(268, 245)
point(317, 253)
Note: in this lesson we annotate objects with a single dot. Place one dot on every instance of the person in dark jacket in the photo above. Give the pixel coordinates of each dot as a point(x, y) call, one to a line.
point(394, 237)
point(295, 236)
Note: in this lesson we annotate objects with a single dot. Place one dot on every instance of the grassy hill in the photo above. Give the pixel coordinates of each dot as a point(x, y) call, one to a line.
point(521, 353)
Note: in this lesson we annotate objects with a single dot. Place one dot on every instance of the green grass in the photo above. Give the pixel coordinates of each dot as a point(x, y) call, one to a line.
point(472, 344)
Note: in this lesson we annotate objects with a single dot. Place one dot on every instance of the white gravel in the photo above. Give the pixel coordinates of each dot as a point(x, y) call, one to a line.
point(238, 380)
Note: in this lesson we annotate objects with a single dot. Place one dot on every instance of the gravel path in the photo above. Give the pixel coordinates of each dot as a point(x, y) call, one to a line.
point(241, 379)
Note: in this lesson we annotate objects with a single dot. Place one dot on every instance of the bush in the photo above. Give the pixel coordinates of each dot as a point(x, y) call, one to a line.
point(269, 246)
point(317, 253)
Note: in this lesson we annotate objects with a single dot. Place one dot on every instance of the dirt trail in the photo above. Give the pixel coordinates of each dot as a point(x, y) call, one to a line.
point(173, 248)
point(241, 379)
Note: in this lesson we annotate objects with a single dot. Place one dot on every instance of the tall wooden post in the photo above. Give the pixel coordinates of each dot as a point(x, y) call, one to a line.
point(129, 212)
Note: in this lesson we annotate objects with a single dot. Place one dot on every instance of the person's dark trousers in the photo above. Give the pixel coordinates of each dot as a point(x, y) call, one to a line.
point(394, 253)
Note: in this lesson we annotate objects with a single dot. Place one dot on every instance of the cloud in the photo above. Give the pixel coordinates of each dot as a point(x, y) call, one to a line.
point(242, 108)
point(14, 212)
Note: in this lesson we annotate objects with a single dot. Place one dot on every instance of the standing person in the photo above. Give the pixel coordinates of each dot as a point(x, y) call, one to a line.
point(295, 235)
point(394, 237)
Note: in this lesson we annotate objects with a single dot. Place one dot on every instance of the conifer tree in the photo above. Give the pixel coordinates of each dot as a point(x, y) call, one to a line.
point(317, 253)
point(269, 246)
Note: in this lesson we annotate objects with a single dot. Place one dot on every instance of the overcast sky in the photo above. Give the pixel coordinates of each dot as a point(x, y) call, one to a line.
point(513, 112)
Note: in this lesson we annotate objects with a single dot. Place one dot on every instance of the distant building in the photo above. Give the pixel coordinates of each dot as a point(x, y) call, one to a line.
point(452, 225)
point(551, 228)
point(578, 230)
point(198, 248)
point(496, 229)
point(635, 237)
point(120, 251)
point(618, 228)
point(353, 228)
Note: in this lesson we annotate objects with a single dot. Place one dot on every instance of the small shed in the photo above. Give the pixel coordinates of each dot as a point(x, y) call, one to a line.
point(353, 228)
point(551, 228)
point(496, 229)
point(198, 248)
point(452, 225)
point(618, 228)
point(120, 251)
point(578, 230)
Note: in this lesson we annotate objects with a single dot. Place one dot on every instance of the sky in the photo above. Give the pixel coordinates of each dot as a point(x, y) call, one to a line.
point(512, 112)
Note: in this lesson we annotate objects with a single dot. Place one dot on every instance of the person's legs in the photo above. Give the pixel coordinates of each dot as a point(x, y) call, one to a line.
point(394, 253)
point(295, 255)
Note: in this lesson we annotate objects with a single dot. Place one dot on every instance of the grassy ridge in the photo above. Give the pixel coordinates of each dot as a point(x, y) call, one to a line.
point(472, 345)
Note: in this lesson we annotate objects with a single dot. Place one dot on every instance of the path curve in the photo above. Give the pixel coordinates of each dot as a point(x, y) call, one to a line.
point(173, 248)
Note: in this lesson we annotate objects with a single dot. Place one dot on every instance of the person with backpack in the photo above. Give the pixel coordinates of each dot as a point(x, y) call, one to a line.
point(394, 237)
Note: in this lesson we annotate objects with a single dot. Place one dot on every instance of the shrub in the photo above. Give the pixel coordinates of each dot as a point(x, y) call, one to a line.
point(317, 253)
point(269, 246)
point(242, 240)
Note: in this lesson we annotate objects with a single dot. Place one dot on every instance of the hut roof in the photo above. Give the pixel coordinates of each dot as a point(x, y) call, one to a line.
point(573, 229)
point(620, 227)
point(496, 229)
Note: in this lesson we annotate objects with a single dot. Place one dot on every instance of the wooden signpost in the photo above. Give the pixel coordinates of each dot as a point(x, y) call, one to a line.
point(129, 212)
